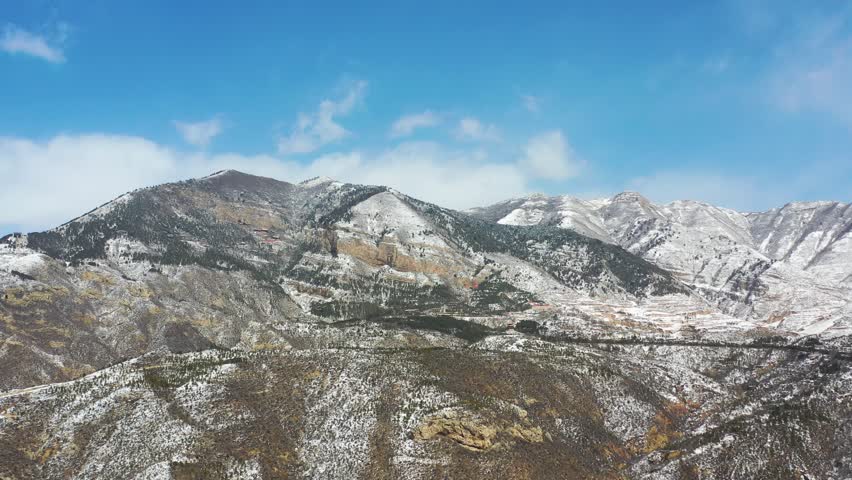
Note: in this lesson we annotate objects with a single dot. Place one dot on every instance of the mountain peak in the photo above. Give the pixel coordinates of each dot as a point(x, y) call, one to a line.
point(235, 179)
point(219, 173)
point(537, 196)
point(316, 181)
point(799, 206)
point(628, 196)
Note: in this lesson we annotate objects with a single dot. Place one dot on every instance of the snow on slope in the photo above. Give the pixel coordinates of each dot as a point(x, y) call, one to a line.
point(789, 268)
point(813, 236)
point(564, 211)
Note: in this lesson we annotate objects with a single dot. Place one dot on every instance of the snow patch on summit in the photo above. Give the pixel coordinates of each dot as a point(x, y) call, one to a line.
point(317, 181)
point(23, 261)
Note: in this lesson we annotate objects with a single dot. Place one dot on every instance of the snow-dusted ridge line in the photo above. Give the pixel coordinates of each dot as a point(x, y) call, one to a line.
point(200, 355)
point(38, 388)
point(789, 266)
point(218, 173)
point(101, 209)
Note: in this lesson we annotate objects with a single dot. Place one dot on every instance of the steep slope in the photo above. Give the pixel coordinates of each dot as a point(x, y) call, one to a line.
point(563, 211)
point(784, 268)
point(507, 407)
point(813, 236)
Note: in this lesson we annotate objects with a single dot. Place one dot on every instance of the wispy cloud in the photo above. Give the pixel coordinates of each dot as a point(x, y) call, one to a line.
point(717, 65)
point(18, 41)
point(812, 71)
point(548, 155)
point(67, 175)
point(406, 124)
point(200, 134)
point(531, 103)
point(470, 128)
point(429, 171)
point(320, 128)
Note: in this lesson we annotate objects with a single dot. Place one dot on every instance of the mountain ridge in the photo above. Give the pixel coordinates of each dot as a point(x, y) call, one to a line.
point(236, 326)
point(787, 254)
point(319, 251)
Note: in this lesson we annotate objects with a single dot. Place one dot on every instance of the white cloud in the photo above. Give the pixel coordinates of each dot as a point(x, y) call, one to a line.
point(531, 103)
point(16, 40)
point(320, 128)
point(549, 156)
point(45, 183)
point(470, 128)
point(428, 171)
point(200, 134)
point(406, 124)
point(821, 87)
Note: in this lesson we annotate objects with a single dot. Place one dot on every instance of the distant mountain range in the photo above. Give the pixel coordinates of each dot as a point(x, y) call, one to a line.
point(788, 268)
point(236, 326)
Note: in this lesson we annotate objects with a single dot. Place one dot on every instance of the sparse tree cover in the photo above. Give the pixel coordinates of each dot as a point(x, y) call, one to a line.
point(241, 327)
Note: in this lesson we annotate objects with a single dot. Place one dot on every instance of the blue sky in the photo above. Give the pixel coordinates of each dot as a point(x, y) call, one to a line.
point(744, 104)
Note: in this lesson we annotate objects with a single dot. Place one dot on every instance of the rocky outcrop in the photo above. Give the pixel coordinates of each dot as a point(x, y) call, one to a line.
point(467, 433)
point(477, 435)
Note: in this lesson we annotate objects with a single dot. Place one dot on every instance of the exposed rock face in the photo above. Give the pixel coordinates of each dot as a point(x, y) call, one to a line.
point(466, 433)
point(475, 435)
point(241, 327)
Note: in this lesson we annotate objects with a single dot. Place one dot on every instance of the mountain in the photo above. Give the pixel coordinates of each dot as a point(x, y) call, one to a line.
point(236, 326)
point(786, 268)
point(813, 236)
point(231, 254)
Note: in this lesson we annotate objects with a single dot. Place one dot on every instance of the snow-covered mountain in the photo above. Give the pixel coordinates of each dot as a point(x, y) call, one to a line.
point(231, 252)
point(787, 268)
point(236, 326)
point(812, 236)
